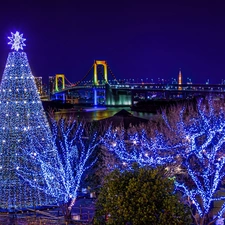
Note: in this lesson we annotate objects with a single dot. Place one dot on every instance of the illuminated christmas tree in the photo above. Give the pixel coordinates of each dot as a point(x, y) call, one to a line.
point(22, 123)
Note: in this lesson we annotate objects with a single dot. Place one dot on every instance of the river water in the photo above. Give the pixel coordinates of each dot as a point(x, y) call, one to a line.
point(94, 114)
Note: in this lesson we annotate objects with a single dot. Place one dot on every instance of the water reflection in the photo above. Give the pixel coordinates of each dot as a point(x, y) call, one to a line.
point(91, 114)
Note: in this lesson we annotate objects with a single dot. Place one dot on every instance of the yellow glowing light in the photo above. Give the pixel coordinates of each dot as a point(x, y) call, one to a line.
point(57, 77)
point(104, 64)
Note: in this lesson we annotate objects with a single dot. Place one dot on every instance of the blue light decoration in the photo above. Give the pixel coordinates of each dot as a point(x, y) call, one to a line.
point(194, 145)
point(75, 148)
point(202, 156)
point(22, 122)
point(138, 147)
point(76, 144)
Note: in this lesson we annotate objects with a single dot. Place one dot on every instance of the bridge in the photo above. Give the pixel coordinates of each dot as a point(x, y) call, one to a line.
point(113, 92)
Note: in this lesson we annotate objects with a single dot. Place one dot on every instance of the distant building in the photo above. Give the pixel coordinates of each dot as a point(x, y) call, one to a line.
point(180, 80)
point(51, 85)
point(38, 81)
point(44, 89)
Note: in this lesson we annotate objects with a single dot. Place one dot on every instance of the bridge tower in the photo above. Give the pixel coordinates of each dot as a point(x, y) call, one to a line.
point(57, 77)
point(61, 96)
point(104, 64)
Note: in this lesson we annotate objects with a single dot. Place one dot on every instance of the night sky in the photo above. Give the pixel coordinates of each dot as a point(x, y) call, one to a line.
point(138, 38)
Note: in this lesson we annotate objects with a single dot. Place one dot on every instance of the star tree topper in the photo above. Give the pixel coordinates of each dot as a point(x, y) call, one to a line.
point(16, 41)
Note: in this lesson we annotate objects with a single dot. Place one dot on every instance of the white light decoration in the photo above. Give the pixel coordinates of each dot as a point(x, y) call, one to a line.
point(17, 42)
point(21, 132)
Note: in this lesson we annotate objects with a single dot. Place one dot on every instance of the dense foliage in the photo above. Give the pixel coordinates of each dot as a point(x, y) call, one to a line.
point(139, 196)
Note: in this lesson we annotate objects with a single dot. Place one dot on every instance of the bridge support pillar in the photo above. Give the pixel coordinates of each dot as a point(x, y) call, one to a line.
point(95, 97)
point(132, 98)
point(108, 95)
point(64, 97)
point(61, 97)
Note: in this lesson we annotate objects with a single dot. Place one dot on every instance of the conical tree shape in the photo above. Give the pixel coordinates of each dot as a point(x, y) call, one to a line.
point(23, 125)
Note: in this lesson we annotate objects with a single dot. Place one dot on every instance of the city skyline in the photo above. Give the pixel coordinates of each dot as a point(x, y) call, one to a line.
point(140, 39)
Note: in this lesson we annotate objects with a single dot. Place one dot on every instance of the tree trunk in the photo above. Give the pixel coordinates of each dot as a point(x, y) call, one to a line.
point(66, 212)
point(202, 220)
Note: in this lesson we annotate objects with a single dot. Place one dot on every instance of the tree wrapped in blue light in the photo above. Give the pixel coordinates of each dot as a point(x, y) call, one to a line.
point(202, 155)
point(22, 121)
point(192, 141)
point(136, 146)
point(75, 144)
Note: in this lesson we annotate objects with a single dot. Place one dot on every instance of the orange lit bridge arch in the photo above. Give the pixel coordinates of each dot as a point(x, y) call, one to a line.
point(104, 64)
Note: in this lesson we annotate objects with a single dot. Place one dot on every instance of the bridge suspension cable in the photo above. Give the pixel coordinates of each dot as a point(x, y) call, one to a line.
point(78, 82)
point(60, 82)
point(68, 81)
point(112, 74)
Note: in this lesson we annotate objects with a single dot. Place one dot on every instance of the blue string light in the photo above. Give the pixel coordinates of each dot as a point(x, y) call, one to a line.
point(139, 148)
point(74, 157)
point(202, 155)
point(195, 143)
